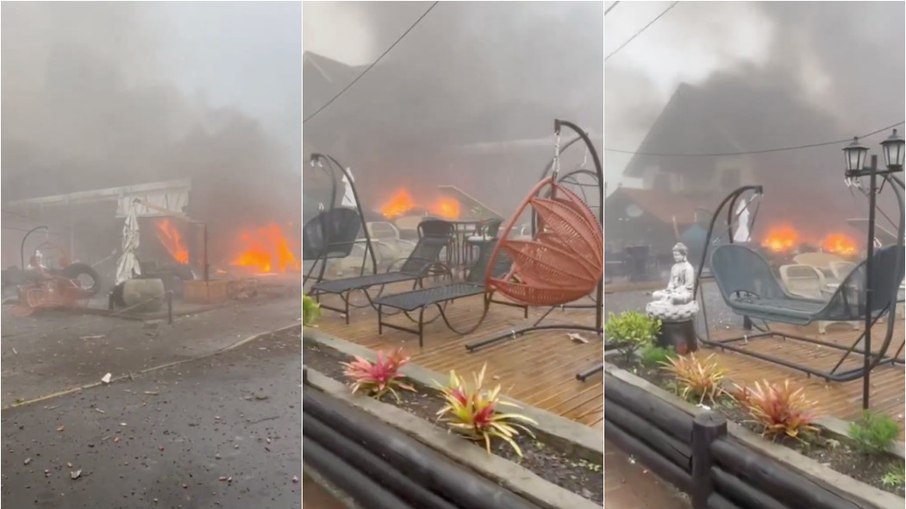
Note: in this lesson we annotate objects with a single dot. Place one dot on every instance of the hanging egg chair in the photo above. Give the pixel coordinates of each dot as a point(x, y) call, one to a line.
point(563, 262)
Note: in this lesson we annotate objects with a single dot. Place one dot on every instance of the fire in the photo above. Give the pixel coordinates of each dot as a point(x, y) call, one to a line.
point(171, 239)
point(781, 238)
point(446, 208)
point(839, 243)
point(399, 204)
point(267, 250)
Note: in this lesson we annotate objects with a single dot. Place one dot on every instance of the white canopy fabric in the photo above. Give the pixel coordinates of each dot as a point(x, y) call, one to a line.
point(348, 195)
point(128, 266)
point(742, 234)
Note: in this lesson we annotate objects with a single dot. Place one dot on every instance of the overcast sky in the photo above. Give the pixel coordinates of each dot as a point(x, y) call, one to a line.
point(845, 59)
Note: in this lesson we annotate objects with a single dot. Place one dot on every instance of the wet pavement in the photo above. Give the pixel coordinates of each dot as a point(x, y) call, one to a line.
point(629, 485)
point(57, 350)
point(218, 432)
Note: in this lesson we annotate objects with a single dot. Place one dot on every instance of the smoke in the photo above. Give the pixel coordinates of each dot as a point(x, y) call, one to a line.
point(814, 72)
point(98, 95)
point(469, 73)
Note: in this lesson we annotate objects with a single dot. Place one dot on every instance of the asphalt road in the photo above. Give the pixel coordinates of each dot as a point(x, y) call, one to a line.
point(57, 350)
point(218, 432)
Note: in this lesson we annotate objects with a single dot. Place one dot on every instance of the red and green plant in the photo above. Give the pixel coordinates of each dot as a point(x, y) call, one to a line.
point(695, 378)
point(379, 378)
point(473, 412)
point(780, 409)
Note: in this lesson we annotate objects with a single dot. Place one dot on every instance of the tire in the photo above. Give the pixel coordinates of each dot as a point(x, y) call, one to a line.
point(85, 276)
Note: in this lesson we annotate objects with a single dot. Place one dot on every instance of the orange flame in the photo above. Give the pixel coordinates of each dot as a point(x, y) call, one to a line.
point(839, 243)
point(446, 208)
point(266, 249)
point(781, 238)
point(399, 204)
point(171, 239)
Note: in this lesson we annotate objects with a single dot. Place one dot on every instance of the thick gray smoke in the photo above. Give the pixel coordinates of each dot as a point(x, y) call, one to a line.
point(469, 73)
point(89, 102)
point(757, 76)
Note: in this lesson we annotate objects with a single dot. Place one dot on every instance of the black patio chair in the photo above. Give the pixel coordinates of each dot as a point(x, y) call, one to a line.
point(434, 236)
point(440, 296)
point(750, 288)
point(330, 234)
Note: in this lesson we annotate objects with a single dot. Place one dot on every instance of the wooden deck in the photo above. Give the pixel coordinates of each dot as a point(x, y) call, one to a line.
point(839, 399)
point(538, 368)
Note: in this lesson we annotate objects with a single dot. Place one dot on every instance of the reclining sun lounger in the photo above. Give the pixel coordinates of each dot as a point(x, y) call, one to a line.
point(439, 296)
point(434, 236)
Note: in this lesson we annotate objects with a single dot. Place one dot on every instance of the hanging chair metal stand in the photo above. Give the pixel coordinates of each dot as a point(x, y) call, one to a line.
point(598, 327)
point(772, 304)
point(323, 253)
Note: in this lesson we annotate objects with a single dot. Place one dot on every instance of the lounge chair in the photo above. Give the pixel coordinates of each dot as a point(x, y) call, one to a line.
point(434, 236)
point(809, 282)
point(440, 296)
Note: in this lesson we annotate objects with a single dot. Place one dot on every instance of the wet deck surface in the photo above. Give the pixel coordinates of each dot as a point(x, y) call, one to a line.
point(839, 399)
point(538, 368)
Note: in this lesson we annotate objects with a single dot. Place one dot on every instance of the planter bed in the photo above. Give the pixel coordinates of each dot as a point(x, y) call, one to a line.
point(582, 477)
point(836, 453)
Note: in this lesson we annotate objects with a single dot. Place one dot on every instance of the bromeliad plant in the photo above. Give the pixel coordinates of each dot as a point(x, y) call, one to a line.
point(379, 378)
point(778, 409)
point(473, 412)
point(695, 378)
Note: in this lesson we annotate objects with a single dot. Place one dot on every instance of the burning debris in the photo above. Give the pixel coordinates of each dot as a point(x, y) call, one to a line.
point(785, 239)
point(402, 203)
point(171, 238)
point(266, 249)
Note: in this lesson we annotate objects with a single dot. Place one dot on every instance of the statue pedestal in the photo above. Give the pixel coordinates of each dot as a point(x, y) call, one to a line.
point(680, 335)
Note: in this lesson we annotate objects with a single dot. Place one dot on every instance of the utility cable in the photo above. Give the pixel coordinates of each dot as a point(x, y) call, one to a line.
point(357, 78)
point(612, 53)
point(764, 151)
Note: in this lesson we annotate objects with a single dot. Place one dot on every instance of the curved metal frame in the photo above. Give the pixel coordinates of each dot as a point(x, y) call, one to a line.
point(872, 360)
point(599, 297)
point(330, 171)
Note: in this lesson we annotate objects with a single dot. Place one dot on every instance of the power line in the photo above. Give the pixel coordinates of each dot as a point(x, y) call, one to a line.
point(357, 78)
point(764, 151)
point(612, 53)
point(611, 7)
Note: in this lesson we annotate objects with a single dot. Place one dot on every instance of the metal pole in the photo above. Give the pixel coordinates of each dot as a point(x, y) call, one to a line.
point(869, 280)
point(205, 261)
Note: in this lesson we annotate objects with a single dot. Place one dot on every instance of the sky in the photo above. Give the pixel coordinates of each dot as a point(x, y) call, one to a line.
point(844, 59)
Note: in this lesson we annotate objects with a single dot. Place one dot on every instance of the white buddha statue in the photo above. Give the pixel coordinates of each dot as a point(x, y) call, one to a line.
point(677, 301)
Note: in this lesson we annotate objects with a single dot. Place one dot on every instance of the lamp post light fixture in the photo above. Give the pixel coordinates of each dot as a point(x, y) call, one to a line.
point(854, 157)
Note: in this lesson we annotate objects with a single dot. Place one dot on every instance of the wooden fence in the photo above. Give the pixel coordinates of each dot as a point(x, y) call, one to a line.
point(698, 456)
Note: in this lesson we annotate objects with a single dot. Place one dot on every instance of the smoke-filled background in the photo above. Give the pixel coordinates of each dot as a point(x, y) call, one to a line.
point(467, 98)
point(718, 77)
point(97, 95)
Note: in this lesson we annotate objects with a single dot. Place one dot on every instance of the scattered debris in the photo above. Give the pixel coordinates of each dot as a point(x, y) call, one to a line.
point(116, 439)
point(296, 481)
point(152, 393)
point(68, 464)
point(99, 336)
point(27, 461)
point(96, 409)
point(14, 351)
point(106, 378)
point(61, 428)
point(75, 475)
point(122, 424)
point(576, 337)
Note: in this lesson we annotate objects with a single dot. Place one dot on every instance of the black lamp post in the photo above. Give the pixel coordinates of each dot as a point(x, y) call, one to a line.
point(854, 156)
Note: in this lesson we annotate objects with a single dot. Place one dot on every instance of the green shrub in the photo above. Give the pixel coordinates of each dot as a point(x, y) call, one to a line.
point(894, 478)
point(631, 330)
point(874, 432)
point(311, 311)
point(654, 356)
